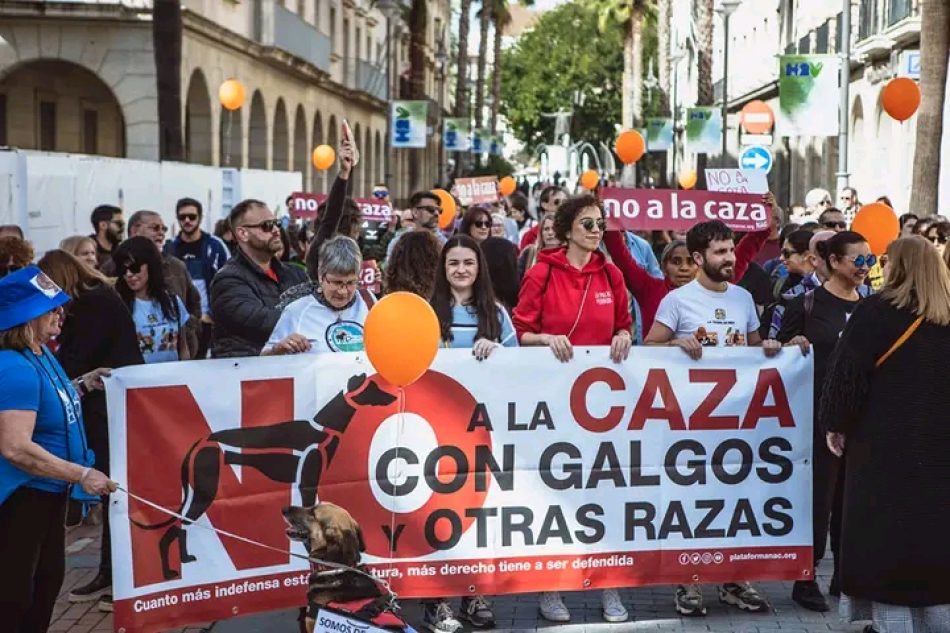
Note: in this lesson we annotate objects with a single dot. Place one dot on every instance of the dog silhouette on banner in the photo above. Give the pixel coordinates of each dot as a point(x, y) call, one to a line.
point(313, 444)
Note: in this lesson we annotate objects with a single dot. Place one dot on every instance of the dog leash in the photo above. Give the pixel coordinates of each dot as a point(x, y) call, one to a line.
point(336, 567)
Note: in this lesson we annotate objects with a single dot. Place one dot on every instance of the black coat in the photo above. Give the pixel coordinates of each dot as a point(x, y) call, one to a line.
point(98, 332)
point(897, 455)
point(244, 303)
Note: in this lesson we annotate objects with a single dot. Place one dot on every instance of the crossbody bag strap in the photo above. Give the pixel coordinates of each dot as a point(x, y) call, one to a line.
point(580, 310)
point(900, 341)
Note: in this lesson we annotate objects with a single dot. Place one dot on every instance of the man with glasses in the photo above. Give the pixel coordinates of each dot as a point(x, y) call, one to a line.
point(426, 208)
point(246, 291)
point(204, 255)
point(109, 226)
point(150, 224)
point(833, 219)
point(551, 198)
point(848, 203)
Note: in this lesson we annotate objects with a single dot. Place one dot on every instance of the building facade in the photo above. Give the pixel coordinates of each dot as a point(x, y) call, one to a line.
point(79, 77)
point(885, 42)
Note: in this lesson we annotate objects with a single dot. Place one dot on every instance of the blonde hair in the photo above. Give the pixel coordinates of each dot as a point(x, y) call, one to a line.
point(73, 243)
point(538, 246)
point(70, 274)
point(918, 280)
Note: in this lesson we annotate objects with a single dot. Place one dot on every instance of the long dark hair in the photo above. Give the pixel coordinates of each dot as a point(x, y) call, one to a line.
point(141, 250)
point(472, 216)
point(502, 258)
point(483, 296)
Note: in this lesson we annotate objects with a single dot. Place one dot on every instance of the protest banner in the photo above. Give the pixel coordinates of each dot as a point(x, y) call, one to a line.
point(304, 205)
point(737, 180)
point(479, 190)
point(658, 470)
point(371, 278)
point(671, 209)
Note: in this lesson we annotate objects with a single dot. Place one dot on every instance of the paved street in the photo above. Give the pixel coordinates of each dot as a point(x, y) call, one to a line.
point(651, 609)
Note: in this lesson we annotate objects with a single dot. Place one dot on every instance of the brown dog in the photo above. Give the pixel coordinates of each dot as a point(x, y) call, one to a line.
point(331, 534)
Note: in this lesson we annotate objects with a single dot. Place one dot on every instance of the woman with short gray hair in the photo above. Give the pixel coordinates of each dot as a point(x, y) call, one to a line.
point(329, 319)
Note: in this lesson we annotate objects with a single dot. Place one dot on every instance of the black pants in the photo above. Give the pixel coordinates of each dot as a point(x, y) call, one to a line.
point(32, 548)
point(825, 472)
point(205, 337)
point(97, 433)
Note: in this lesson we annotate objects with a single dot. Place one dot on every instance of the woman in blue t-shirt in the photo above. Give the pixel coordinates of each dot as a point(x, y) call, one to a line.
point(159, 314)
point(470, 317)
point(43, 449)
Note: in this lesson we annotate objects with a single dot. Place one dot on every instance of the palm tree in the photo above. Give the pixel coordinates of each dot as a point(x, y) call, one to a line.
point(663, 52)
point(417, 19)
point(703, 14)
point(461, 70)
point(484, 22)
point(502, 18)
point(934, 50)
point(166, 44)
point(629, 15)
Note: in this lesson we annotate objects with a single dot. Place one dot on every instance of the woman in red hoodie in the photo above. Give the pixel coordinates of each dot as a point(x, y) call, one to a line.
point(573, 295)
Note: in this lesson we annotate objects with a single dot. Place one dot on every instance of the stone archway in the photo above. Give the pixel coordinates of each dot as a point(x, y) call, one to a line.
point(368, 161)
point(198, 148)
point(257, 133)
point(62, 107)
point(318, 180)
point(231, 138)
point(378, 166)
point(280, 146)
point(359, 173)
point(300, 146)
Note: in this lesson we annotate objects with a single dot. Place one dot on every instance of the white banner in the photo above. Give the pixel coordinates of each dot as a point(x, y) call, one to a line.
point(557, 477)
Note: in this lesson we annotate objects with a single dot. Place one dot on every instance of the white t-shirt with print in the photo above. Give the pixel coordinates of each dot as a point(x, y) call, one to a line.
point(717, 319)
point(327, 329)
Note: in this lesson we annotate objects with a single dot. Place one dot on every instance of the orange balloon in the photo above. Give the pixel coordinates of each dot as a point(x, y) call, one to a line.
point(323, 157)
point(901, 98)
point(401, 337)
point(630, 146)
point(687, 179)
point(878, 224)
point(590, 180)
point(231, 94)
point(507, 186)
point(447, 202)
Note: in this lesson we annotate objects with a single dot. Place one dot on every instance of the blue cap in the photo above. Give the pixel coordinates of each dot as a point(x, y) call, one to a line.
point(27, 294)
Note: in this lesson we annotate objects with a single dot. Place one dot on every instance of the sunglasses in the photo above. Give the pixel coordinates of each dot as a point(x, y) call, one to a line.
point(557, 201)
point(482, 224)
point(590, 223)
point(834, 225)
point(380, 194)
point(158, 227)
point(864, 260)
point(130, 267)
point(267, 226)
point(187, 217)
point(940, 239)
point(787, 253)
point(429, 209)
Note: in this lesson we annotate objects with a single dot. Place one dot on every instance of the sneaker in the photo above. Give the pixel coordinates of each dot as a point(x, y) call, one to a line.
point(438, 618)
point(807, 594)
point(93, 590)
point(552, 607)
point(477, 611)
point(742, 595)
point(614, 611)
point(688, 600)
point(105, 603)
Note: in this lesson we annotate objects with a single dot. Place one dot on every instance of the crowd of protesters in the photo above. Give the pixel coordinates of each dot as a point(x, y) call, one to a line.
point(504, 274)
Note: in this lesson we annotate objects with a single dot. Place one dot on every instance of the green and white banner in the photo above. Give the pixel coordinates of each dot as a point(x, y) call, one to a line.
point(659, 134)
point(457, 135)
point(481, 141)
point(704, 130)
point(808, 95)
point(409, 123)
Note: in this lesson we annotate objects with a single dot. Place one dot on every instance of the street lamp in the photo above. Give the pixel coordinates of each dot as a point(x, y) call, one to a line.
point(390, 9)
point(725, 10)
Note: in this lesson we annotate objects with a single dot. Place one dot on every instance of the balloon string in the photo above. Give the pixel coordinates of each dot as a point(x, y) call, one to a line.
point(400, 422)
point(227, 140)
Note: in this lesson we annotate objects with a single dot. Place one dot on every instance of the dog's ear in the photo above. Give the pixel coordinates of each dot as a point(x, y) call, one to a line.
point(350, 542)
point(359, 538)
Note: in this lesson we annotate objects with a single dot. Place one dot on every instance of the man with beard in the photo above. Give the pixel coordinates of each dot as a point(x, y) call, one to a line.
point(425, 207)
point(711, 312)
point(204, 255)
point(108, 225)
point(246, 291)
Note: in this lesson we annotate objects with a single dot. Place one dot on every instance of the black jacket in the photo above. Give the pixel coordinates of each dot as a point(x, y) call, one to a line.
point(98, 332)
point(244, 303)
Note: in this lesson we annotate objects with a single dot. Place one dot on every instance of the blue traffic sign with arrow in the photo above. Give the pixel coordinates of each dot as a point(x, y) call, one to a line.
point(756, 157)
